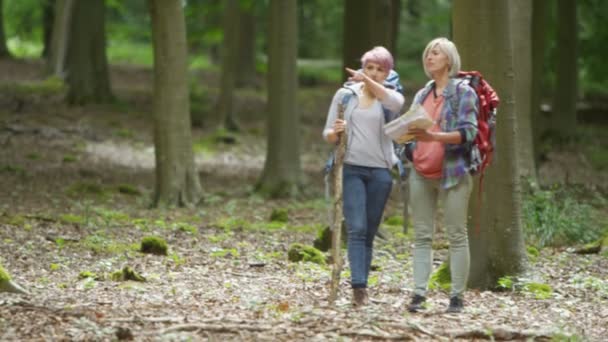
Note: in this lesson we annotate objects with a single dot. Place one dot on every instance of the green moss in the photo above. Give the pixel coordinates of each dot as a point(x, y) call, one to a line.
point(72, 219)
point(505, 284)
point(154, 245)
point(128, 189)
point(441, 278)
point(323, 240)
point(87, 274)
point(279, 215)
point(17, 220)
point(4, 276)
point(532, 251)
point(539, 290)
point(395, 220)
point(127, 273)
point(299, 252)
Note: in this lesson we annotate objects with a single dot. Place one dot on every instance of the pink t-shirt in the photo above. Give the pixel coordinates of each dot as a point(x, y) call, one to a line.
point(428, 155)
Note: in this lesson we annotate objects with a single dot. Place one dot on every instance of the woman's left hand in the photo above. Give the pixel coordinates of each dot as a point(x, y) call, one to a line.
point(356, 76)
point(422, 134)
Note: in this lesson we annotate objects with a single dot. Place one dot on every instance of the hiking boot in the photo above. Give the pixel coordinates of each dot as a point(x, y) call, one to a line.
point(360, 297)
point(456, 305)
point(417, 303)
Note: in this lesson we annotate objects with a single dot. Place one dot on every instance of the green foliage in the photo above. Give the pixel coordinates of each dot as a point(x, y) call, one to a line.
point(532, 252)
point(14, 169)
point(128, 189)
point(4, 276)
point(554, 217)
point(505, 284)
point(279, 215)
point(127, 273)
point(441, 278)
point(88, 274)
point(55, 267)
point(538, 290)
point(395, 220)
point(85, 188)
point(153, 245)
point(222, 253)
point(298, 252)
point(72, 219)
point(69, 158)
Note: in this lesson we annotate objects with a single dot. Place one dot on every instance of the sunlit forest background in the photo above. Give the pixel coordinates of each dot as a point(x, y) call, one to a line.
point(162, 170)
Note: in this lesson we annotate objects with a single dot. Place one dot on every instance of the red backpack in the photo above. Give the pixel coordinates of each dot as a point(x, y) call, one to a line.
point(484, 144)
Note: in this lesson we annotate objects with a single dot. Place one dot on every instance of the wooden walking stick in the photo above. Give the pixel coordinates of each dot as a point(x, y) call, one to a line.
point(336, 241)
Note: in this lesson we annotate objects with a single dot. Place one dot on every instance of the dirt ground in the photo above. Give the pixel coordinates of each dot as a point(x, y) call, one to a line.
point(77, 183)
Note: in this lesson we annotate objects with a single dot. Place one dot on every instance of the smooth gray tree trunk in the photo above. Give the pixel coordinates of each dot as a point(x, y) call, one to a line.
point(60, 37)
point(177, 182)
point(88, 77)
point(497, 247)
point(282, 172)
point(521, 23)
point(247, 48)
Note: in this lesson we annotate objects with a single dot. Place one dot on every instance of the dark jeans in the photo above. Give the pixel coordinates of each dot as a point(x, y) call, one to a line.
point(365, 191)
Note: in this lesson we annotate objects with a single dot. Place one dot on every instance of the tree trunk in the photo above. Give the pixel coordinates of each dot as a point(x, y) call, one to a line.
point(497, 247)
point(282, 171)
point(539, 33)
point(224, 107)
point(247, 48)
point(4, 53)
point(177, 182)
point(368, 23)
point(60, 36)
point(48, 16)
point(563, 114)
point(521, 21)
point(87, 64)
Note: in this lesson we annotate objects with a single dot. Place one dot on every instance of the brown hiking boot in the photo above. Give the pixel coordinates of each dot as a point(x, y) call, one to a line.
point(360, 297)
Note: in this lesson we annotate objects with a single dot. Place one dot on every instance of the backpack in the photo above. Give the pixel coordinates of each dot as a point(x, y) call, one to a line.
point(482, 149)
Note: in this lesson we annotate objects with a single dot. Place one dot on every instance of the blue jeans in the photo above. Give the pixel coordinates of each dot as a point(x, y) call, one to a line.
point(365, 191)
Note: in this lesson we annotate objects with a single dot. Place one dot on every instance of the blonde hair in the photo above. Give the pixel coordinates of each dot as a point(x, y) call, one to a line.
point(449, 49)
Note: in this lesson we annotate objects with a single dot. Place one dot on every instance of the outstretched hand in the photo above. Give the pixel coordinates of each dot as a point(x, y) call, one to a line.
point(356, 76)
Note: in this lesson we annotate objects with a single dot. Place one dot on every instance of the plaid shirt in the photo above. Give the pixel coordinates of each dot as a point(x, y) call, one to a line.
point(463, 120)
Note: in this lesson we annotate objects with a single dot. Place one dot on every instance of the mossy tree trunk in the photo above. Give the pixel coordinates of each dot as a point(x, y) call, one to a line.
point(4, 53)
point(282, 172)
point(177, 182)
point(563, 111)
point(539, 38)
point(87, 65)
point(497, 247)
point(230, 49)
point(521, 22)
point(60, 37)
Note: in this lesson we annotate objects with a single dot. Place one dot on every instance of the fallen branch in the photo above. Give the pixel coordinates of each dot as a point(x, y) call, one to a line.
point(381, 335)
point(500, 334)
point(229, 328)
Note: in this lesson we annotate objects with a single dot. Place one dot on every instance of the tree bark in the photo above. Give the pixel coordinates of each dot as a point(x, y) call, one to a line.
point(247, 48)
point(539, 33)
point(4, 53)
point(48, 16)
point(521, 23)
point(87, 65)
point(60, 36)
point(177, 182)
point(563, 114)
point(497, 247)
point(282, 172)
point(230, 49)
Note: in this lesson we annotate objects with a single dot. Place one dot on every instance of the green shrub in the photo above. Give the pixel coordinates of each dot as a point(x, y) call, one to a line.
point(555, 218)
point(154, 245)
point(127, 273)
point(441, 278)
point(396, 220)
point(539, 290)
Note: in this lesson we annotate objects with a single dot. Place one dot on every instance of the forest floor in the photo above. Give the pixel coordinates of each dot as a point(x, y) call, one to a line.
point(77, 183)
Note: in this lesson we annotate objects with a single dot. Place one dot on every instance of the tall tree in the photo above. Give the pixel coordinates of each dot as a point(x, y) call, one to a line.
point(3, 48)
point(59, 38)
point(48, 16)
point(497, 247)
point(177, 182)
point(282, 171)
point(563, 116)
point(368, 23)
point(247, 46)
point(230, 49)
point(539, 34)
point(521, 22)
point(87, 64)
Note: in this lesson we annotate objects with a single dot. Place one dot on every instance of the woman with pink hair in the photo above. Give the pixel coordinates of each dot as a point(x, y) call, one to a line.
point(370, 102)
